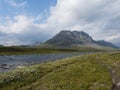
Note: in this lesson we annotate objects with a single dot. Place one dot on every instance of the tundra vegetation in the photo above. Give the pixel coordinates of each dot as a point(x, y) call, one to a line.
point(84, 72)
point(16, 50)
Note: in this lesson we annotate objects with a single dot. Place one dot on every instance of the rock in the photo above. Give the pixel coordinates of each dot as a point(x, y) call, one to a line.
point(3, 65)
point(20, 67)
point(118, 84)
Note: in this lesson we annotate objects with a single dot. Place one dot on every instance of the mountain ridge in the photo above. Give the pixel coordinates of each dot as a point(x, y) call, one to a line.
point(70, 38)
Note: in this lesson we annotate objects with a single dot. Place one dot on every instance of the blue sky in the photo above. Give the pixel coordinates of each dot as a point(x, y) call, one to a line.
point(29, 21)
point(11, 8)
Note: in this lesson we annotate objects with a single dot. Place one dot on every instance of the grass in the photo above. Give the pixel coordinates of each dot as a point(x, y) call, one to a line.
point(77, 73)
point(16, 50)
point(28, 50)
point(111, 60)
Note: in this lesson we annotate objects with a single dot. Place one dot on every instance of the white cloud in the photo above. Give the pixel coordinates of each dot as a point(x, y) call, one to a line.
point(14, 3)
point(75, 11)
point(99, 18)
point(71, 13)
point(21, 30)
point(113, 37)
point(19, 24)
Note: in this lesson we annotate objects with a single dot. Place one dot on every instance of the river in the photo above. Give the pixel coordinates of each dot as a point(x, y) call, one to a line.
point(13, 61)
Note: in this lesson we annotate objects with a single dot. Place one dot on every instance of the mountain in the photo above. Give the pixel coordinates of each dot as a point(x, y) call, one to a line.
point(106, 44)
point(34, 44)
point(67, 38)
point(76, 38)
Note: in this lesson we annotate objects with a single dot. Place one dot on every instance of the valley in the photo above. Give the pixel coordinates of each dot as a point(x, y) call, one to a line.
point(59, 44)
point(97, 71)
point(71, 60)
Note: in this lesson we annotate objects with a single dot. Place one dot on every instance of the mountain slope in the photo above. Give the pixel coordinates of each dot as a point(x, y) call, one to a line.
point(70, 38)
point(76, 38)
point(106, 44)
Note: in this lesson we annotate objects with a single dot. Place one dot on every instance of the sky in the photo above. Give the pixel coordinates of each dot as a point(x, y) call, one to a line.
point(29, 21)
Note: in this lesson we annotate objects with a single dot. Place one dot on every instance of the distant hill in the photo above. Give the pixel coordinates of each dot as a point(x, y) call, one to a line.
point(76, 38)
point(1, 45)
point(106, 44)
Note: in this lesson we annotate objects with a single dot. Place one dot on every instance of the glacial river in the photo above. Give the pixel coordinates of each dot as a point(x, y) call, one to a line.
point(13, 61)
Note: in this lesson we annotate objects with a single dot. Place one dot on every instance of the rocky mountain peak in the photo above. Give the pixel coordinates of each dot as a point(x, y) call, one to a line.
point(70, 38)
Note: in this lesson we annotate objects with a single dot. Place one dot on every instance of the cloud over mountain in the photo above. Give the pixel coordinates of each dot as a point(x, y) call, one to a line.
point(99, 18)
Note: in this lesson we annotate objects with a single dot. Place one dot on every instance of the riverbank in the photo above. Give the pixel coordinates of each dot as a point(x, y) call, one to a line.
point(18, 61)
point(98, 71)
point(76, 73)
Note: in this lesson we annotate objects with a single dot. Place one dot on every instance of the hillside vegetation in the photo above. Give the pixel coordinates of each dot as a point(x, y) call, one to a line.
point(16, 50)
point(85, 72)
